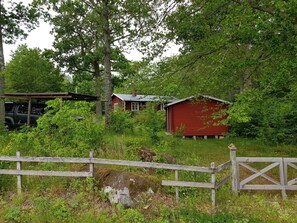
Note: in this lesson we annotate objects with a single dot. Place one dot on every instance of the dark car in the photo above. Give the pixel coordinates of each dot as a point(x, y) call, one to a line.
point(16, 114)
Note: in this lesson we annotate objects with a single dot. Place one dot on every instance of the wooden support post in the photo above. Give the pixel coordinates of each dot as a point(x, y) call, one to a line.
point(283, 169)
point(176, 188)
point(29, 111)
point(19, 177)
point(216, 137)
point(234, 169)
point(205, 137)
point(91, 154)
point(194, 137)
point(61, 102)
point(213, 189)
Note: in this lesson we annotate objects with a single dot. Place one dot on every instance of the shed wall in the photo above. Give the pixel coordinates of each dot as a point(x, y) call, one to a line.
point(195, 118)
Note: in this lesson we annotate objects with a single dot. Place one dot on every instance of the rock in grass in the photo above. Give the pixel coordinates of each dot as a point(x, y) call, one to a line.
point(124, 188)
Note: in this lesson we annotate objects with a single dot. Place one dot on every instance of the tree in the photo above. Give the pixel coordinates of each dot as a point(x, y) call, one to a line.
point(113, 23)
point(13, 19)
point(78, 46)
point(30, 71)
point(244, 48)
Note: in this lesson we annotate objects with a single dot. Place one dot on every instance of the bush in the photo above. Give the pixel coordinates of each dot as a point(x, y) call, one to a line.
point(60, 133)
point(271, 117)
point(152, 121)
point(121, 121)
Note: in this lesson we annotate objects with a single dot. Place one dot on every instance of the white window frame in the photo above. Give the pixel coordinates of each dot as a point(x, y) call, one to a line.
point(162, 107)
point(116, 106)
point(134, 106)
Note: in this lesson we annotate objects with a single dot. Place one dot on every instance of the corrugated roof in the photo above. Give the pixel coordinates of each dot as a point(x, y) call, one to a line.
point(145, 98)
point(51, 95)
point(193, 97)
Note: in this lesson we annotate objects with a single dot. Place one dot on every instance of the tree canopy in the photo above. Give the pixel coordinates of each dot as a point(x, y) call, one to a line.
point(30, 71)
point(242, 51)
point(101, 26)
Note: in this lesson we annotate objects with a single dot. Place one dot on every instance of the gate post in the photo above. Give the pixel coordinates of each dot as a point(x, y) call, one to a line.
point(234, 169)
point(283, 174)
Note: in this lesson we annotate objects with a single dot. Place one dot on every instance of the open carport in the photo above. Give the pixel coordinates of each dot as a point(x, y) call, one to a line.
point(48, 96)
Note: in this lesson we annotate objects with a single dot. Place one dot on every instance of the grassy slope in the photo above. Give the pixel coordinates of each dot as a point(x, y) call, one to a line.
point(71, 201)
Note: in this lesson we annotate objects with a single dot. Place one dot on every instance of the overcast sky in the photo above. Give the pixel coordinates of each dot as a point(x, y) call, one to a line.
point(41, 38)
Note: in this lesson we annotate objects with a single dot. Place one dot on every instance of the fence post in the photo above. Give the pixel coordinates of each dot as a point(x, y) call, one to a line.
point(234, 169)
point(176, 188)
point(19, 176)
point(91, 154)
point(213, 182)
point(283, 174)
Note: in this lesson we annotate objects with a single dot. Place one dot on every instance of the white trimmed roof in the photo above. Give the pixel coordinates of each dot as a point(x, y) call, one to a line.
point(145, 98)
point(203, 96)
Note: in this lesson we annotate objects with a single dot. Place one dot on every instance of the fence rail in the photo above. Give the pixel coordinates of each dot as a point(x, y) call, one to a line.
point(213, 185)
point(283, 183)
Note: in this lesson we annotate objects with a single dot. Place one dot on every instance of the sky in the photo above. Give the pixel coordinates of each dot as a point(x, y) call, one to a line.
point(41, 38)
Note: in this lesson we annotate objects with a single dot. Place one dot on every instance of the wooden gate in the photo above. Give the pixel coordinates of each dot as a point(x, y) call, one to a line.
point(277, 181)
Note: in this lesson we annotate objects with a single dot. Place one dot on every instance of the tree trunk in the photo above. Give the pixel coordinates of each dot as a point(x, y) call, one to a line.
point(107, 61)
point(2, 108)
point(98, 92)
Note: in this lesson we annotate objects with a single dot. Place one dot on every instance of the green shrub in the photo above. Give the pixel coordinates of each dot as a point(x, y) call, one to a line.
point(61, 210)
point(13, 214)
point(60, 133)
point(121, 121)
point(152, 121)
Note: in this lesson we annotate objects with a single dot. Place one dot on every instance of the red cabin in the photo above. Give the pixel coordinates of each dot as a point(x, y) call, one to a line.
point(134, 102)
point(197, 116)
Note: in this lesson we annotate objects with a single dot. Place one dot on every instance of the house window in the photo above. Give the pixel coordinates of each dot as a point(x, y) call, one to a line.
point(115, 106)
point(134, 106)
point(162, 107)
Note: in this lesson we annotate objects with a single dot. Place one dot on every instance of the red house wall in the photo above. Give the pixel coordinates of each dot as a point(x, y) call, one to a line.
point(195, 118)
point(127, 104)
point(116, 100)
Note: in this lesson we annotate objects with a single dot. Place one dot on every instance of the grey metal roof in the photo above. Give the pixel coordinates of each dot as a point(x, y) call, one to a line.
point(145, 98)
point(193, 97)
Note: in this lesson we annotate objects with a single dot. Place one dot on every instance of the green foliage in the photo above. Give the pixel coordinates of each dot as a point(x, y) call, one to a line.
point(128, 215)
point(15, 18)
point(270, 115)
point(121, 121)
point(151, 120)
point(235, 50)
point(13, 214)
point(60, 132)
point(30, 71)
point(60, 210)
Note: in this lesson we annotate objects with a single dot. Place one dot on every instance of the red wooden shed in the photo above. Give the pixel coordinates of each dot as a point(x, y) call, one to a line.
point(197, 116)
